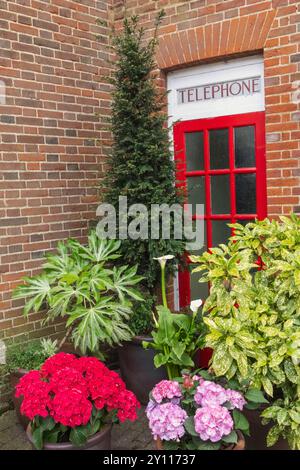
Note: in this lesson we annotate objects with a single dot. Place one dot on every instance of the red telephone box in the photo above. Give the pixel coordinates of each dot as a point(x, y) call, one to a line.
point(221, 164)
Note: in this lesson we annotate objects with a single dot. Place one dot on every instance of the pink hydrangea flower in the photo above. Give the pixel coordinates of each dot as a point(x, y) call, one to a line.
point(213, 422)
point(210, 393)
point(166, 421)
point(198, 378)
point(166, 389)
point(235, 399)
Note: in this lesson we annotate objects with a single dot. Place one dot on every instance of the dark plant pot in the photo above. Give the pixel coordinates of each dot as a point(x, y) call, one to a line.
point(14, 378)
point(111, 354)
point(100, 441)
point(258, 438)
point(137, 368)
point(240, 445)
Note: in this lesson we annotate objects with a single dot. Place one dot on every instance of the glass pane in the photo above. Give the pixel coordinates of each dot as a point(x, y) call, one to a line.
point(194, 151)
point(244, 146)
point(220, 231)
point(196, 240)
point(219, 149)
point(196, 191)
point(220, 194)
point(199, 290)
point(201, 244)
point(245, 187)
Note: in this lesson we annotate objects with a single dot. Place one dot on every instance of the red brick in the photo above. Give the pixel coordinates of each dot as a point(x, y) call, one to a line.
point(52, 103)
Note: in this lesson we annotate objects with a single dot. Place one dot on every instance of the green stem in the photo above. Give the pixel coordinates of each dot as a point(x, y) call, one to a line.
point(163, 287)
point(169, 372)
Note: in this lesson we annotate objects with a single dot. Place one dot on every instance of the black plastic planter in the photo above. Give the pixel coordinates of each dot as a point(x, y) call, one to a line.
point(137, 368)
point(258, 438)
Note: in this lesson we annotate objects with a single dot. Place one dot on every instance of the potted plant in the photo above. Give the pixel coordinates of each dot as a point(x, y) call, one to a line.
point(252, 318)
point(24, 357)
point(141, 170)
point(137, 364)
point(82, 284)
point(176, 337)
point(72, 402)
point(197, 413)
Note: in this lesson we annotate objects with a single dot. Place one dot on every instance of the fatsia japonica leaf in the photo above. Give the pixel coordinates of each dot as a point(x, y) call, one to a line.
point(64, 295)
point(38, 288)
point(99, 250)
point(104, 323)
point(124, 278)
point(81, 283)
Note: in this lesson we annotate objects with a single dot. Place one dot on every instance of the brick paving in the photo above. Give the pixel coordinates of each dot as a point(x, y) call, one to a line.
point(128, 436)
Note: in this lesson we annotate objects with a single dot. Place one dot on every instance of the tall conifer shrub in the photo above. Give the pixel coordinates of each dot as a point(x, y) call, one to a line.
point(140, 164)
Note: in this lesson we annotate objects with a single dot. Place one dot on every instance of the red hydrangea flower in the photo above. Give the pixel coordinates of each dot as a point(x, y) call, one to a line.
point(128, 405)
point(71, 408)
point(68, 378)
point(105, 386)
point(90, 366)
point(58, 361)
point(68, 388)
point(27, 381)
point(36, 395)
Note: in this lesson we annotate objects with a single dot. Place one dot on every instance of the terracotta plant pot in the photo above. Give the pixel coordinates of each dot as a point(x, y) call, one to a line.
point(14, 378)
point(258, 438)
point(137, 368)
point(240, 445)
point(100, 441)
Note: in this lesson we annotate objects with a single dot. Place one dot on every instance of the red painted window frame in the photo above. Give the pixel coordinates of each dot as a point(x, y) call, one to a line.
point(238, 120)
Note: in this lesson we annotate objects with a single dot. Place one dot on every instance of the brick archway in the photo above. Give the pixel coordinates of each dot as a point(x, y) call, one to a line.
point(215, 40)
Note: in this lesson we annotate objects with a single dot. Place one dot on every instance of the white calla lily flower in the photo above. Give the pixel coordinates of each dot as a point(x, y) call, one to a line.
point(163, 260)
point(195, 304)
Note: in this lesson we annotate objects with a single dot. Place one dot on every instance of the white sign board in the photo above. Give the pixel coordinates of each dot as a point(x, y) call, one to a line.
point(214, 91)
point(217, 89)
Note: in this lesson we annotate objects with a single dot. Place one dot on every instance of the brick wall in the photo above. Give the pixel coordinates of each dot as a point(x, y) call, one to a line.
point(194, 32)
point(54, 73)
point(50, 162)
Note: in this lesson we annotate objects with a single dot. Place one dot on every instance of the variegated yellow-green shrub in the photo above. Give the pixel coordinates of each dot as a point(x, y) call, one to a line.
point(252, 315)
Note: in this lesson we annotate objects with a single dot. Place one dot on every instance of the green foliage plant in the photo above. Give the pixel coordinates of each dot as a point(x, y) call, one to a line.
point(82, 284)
point(141, 319)
point(176, 337)
point(141, 167)
point(252, 315)
point(29, 356)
